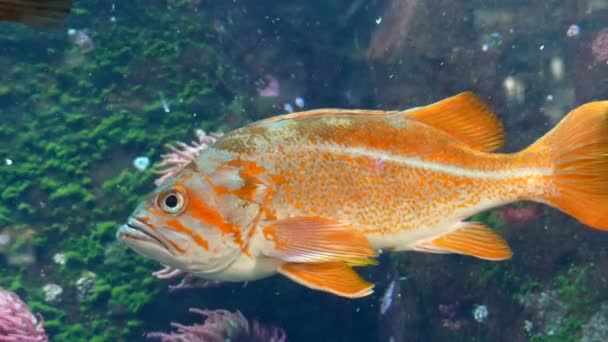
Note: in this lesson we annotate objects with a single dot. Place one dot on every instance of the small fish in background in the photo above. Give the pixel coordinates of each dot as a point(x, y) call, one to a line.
point(36, 13)
point(310, 195)
point(391, 318)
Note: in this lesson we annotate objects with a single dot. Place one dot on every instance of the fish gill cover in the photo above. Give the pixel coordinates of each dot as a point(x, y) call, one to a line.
point(78, 106)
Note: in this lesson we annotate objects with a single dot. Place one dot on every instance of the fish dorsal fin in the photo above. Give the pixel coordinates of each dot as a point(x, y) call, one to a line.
point(471, 238)
point(466, 117)
point(333, 277)
point(324, 112)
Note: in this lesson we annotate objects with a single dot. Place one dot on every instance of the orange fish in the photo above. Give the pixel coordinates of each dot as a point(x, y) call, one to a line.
point(310, 195)
point(37, 13)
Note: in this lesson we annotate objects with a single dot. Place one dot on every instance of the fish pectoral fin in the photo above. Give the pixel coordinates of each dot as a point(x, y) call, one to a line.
point(333, 277)
point(473, 238)
point(465, 117)
point(316, 240)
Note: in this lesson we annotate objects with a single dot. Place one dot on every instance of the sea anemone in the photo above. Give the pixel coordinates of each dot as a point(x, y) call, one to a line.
point(17, 323)
point(182, 154)
point(221, 326)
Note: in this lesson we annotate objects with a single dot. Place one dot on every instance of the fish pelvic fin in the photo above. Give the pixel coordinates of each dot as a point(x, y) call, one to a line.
point(333, 277)
point(465, 117)
point(577, 149)
point(470, 238)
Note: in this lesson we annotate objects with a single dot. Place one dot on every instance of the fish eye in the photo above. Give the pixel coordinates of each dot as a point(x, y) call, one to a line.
point(171, 201)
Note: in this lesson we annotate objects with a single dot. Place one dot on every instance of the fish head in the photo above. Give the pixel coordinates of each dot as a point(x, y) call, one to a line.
point(186, 224)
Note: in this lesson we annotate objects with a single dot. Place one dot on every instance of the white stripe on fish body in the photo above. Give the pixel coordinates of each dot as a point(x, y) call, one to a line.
point(417, 163)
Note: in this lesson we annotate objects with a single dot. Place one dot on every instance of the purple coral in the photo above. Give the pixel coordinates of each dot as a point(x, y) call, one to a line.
point(17, 323)
point(599, 46)
point(181, 155)
point(450, 319)
point(220, 326)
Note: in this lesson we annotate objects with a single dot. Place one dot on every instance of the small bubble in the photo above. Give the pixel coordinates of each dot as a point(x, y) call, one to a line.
point(141, 163)
point(491, 41)
point(573, 30)
point(8, 161)
point(299, 102)
point(378, 20)
point(542, 47)
point(288, 107)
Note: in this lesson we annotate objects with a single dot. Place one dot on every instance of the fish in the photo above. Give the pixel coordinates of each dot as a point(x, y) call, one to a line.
point(312, 195)
point(36, 13)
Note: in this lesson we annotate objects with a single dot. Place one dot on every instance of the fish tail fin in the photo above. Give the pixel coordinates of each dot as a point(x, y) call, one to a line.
point(577, 149)
point(43, 13)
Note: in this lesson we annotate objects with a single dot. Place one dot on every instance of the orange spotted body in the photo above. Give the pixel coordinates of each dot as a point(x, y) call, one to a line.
point(310, 195)
point(395, 197)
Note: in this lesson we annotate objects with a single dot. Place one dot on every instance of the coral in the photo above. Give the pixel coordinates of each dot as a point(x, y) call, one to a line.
point(17, 323)
point(599, 46)
point(220, 326)
point(597, 328)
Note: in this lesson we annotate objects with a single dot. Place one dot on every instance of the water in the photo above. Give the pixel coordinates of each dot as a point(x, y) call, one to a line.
point(81, 103)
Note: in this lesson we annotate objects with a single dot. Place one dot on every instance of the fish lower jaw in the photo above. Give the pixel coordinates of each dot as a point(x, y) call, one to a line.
point(140, 240)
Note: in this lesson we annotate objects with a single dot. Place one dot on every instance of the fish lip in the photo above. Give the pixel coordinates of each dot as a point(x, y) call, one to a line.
point(137, 230)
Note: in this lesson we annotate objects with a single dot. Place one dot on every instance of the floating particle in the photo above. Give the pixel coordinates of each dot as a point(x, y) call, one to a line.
point(288, 107)
point(573, 30)
point(378, 20)
point(141, 163)
point(8, 161)
point(299, 102)
point(491, 41)
point(480, 313)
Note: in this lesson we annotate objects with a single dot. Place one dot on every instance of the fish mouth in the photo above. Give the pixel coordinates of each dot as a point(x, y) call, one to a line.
point(135, 230)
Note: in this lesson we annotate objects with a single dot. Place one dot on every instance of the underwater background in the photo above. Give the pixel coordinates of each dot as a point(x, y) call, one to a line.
point(84, 109)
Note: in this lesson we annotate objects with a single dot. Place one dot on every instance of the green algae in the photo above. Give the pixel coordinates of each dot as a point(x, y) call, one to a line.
point(76, 123)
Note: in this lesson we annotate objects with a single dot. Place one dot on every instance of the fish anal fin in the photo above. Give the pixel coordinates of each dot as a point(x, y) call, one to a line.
point(474, 239)
point(316, 240)
point(333, 277)
point(466, 117)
